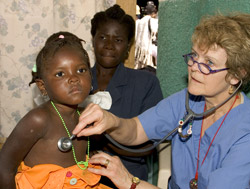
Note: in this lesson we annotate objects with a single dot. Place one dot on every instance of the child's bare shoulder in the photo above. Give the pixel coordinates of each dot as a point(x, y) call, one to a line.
point(37, 118)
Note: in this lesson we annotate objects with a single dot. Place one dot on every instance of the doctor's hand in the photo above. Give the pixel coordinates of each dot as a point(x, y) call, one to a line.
point(112, 168)
point(94, 120)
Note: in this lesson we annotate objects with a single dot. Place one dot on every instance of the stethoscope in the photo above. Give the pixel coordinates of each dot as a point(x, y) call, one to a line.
point(65, 143)
point(190, 115)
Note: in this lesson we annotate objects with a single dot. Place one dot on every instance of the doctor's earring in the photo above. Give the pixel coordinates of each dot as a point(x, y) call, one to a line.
point(231, 90)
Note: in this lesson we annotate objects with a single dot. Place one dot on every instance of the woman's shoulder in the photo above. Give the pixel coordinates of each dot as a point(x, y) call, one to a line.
point(245, 97)
point(143, 82)
point(245, 104)
point(176, 99)
point(179, 95)
point(141, 74)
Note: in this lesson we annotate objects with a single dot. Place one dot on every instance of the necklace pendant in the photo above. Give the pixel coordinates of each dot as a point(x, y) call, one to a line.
point(189, 131)
point(193, 184)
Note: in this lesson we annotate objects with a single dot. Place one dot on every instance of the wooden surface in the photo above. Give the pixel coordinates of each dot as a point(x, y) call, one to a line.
point(129, 6)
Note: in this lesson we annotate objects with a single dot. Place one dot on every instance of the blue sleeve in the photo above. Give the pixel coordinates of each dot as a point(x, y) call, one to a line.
point(161, 119)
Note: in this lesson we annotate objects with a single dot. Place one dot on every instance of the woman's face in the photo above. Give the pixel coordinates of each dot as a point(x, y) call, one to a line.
point(214, 85)
point(110, 44)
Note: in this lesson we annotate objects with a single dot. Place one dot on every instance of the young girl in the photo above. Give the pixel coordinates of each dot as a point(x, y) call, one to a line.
point(30, 157)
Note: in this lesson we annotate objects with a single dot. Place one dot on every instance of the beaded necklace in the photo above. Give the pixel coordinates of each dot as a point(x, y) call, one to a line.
point(85, 163)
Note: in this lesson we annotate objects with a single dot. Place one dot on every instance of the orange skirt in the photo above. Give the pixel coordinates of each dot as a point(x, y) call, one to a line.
point(48, 176)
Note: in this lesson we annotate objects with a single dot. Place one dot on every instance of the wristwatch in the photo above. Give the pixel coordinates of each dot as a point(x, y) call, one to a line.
point(135, 182)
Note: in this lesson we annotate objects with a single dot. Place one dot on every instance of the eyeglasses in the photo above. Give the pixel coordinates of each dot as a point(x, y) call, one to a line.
point(204, 68)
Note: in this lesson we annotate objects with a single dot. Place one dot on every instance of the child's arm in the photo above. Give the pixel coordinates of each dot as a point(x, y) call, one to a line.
point(27, 132)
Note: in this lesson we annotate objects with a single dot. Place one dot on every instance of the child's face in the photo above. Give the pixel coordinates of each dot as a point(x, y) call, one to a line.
point(110, 44)
point(66, 77)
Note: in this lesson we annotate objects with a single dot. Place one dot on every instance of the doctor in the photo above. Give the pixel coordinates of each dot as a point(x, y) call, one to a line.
point(216, 154)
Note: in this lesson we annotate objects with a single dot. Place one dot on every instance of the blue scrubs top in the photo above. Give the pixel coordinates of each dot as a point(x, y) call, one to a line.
point(227, 164)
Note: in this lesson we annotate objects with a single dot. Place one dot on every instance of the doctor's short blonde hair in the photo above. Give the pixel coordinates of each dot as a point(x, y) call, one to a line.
point(232, 33)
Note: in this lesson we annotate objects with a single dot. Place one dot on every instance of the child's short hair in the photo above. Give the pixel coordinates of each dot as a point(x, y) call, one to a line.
point(54, 43)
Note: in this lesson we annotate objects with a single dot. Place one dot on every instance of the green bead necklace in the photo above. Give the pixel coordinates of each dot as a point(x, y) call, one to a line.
point(85, 163)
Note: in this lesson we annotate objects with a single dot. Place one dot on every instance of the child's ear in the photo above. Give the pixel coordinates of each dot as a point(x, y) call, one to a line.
point(41, 86)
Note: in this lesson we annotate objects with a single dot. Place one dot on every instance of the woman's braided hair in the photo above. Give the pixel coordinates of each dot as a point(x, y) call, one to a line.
point(115, 13)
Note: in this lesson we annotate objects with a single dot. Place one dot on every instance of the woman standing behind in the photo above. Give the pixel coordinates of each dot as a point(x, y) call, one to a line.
point(132, 91)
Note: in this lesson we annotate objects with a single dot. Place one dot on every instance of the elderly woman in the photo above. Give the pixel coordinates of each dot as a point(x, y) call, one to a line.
point(212, 151)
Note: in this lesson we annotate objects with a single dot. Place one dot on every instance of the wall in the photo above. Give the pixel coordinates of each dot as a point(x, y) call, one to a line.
point(24, 27)
point(129, 6)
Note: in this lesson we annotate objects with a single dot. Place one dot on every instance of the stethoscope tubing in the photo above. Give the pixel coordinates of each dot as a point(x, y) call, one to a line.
point(143, 149)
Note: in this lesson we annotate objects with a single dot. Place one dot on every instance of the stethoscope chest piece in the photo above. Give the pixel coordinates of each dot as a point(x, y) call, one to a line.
point(65, 143)
point(189, 131)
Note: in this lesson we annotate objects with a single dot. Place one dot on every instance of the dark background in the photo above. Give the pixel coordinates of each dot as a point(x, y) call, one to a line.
point(143, 3)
